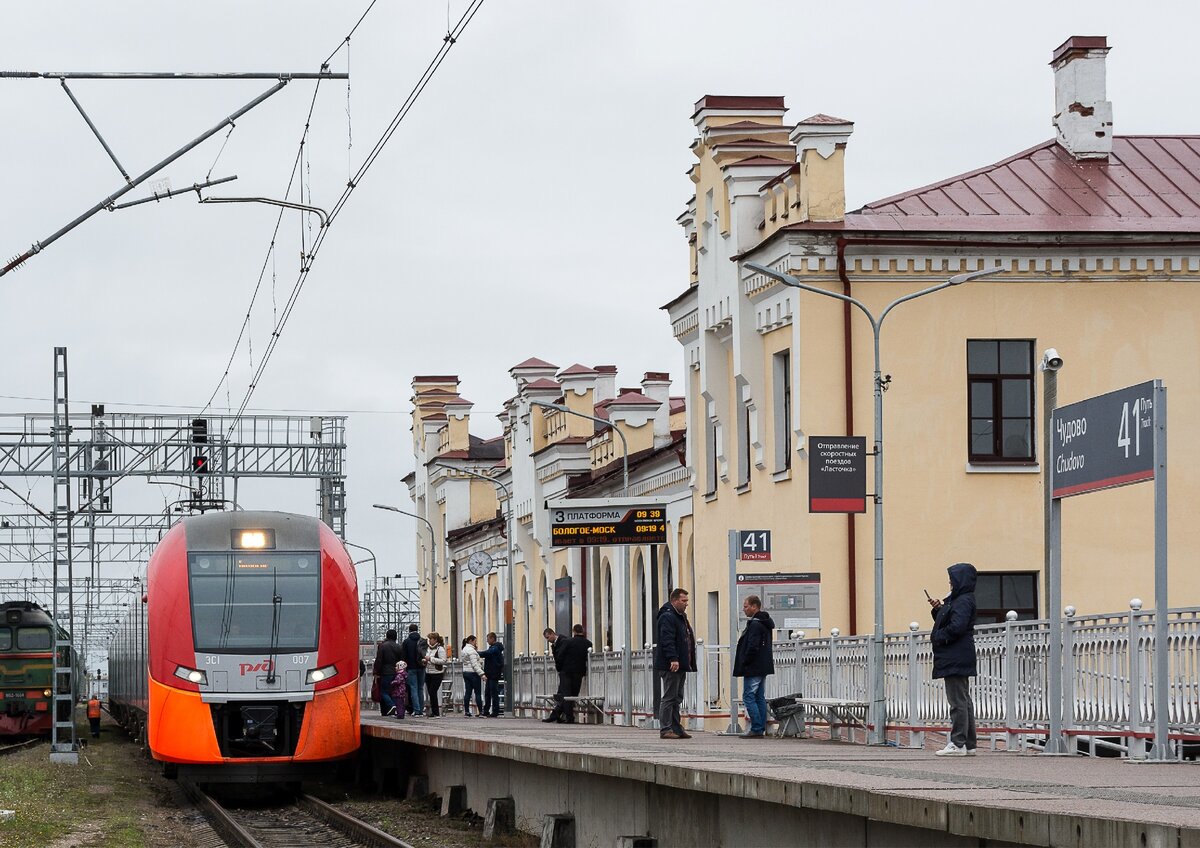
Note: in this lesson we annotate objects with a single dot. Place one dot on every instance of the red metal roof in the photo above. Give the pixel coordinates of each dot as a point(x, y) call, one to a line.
point(533, 362)
point(543, 383)
point(821, 118)
point(737, 103)
point(576, 369)
point(1148, 184)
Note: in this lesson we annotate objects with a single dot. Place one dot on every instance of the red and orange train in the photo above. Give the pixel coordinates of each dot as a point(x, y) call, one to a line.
point(241, 664)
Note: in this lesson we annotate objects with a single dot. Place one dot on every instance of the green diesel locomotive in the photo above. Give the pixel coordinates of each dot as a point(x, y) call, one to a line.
point(27, 637)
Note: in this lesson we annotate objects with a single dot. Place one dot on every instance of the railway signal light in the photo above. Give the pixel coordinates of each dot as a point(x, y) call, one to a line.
point(200, 464)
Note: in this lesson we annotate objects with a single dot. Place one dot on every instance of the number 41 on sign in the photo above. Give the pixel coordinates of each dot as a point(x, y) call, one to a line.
point(754, 545)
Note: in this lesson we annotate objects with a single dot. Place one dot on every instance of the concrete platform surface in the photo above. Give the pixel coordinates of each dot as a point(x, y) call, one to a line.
point(1010, 794)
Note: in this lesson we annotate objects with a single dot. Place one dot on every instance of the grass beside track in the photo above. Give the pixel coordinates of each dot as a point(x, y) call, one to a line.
point(113, 798)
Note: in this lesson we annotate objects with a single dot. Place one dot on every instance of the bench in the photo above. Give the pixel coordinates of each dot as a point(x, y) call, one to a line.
point(589, 709)
point(837, 712)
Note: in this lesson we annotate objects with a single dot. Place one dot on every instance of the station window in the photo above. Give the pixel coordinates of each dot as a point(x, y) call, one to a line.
point(1000, 400)
point(710, 461)
point(997, 592)
point(781, 368)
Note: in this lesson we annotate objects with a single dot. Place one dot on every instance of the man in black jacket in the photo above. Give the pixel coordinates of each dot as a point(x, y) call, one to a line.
point(674, 657)
point(571, 660)
point(493, 670)
point(953, 640)
point(386, 657)
point(753, 661)
point(557, 643)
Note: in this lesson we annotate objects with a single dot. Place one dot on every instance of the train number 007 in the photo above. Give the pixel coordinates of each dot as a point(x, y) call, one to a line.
point(300, 659)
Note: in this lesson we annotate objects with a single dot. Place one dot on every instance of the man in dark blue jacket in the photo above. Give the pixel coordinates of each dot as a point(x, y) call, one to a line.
point(674, 657)
point(953, 640)
point(493, 668)
point(414, 649)
point(753, 661)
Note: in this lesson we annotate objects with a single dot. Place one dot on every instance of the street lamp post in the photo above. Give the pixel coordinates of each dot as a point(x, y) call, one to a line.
point(558, 407)
point(432, 560)
point(370, 628)
point(509, 625)
point(878, 707)
point(626, 600)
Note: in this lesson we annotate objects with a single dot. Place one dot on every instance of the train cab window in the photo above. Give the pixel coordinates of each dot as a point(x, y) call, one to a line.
point(33, 639)
point(255, 603)
point(5, 639)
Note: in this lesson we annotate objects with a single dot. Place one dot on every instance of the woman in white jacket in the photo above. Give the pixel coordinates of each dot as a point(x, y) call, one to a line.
point(435, 668)
point(472, 676)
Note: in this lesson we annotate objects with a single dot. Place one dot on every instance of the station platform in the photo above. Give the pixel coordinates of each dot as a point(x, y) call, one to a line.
point(856, 794)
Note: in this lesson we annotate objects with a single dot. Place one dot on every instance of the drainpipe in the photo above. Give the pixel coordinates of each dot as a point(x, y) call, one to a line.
point(848, 382)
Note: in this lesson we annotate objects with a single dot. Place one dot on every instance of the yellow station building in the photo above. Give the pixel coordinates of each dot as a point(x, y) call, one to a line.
point(1097, 238)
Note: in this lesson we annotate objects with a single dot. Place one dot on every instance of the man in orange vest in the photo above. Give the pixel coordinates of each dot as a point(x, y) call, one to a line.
point(93, 712)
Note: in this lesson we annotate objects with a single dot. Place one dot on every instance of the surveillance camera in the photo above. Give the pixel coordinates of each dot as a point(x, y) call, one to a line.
point(1051, 361)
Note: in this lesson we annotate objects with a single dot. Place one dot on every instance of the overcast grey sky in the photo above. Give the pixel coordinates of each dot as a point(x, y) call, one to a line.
point(525, 208)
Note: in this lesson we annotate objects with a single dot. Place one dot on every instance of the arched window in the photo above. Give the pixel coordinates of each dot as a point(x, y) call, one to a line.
point(668, 576)
point(543, 601)
point(608, 607)
point(497, 619)
point(469, 617)
point(688, 579)
point(522, 609)
point(639, 635)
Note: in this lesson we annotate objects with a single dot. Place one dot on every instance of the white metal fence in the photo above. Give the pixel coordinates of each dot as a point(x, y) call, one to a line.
point(1108, 680)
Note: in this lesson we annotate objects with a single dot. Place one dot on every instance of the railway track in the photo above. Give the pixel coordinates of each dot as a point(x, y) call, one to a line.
point(302, 824)
point(19, 746)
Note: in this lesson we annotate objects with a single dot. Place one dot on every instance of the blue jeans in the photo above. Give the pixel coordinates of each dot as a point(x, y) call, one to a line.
point(754, 696)
point(416, 690)
point(386, 704)
point(472, 683)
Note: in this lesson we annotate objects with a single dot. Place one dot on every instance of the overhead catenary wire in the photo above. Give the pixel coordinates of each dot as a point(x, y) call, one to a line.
point(448, 43)
point(262, 271)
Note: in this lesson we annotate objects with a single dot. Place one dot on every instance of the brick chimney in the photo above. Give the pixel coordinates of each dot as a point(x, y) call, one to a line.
point(1082, 117)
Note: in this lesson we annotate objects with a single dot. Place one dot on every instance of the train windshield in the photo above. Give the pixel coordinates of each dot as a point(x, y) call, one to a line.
point(5, 639)
point(33, 639)
point(255, 602)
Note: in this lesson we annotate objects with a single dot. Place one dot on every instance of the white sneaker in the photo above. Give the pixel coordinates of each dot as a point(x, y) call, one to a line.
point(952, 750)
point(970, 752)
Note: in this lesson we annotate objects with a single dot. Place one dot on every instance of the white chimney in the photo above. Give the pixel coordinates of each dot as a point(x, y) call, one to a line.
point(656, 385)
point(1082, 117)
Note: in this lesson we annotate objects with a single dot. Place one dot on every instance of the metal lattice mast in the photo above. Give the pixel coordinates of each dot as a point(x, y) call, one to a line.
point(64, 746)
point(331, 486)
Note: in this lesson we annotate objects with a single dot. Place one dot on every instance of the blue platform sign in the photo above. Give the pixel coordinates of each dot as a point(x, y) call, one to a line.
point(1104, 441)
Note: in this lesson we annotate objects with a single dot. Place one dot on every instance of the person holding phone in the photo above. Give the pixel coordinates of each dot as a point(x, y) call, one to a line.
point(953, 640)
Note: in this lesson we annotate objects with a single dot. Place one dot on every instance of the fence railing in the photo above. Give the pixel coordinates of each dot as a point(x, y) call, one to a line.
point(1107, 693)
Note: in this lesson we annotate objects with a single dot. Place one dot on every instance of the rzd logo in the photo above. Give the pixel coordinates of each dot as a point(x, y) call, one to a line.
point(265, 665)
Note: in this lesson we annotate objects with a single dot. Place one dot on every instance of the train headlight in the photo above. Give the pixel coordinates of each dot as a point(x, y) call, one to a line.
point(322, 673)
point(253, 540)
point(46, 693)
point(191, 675)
